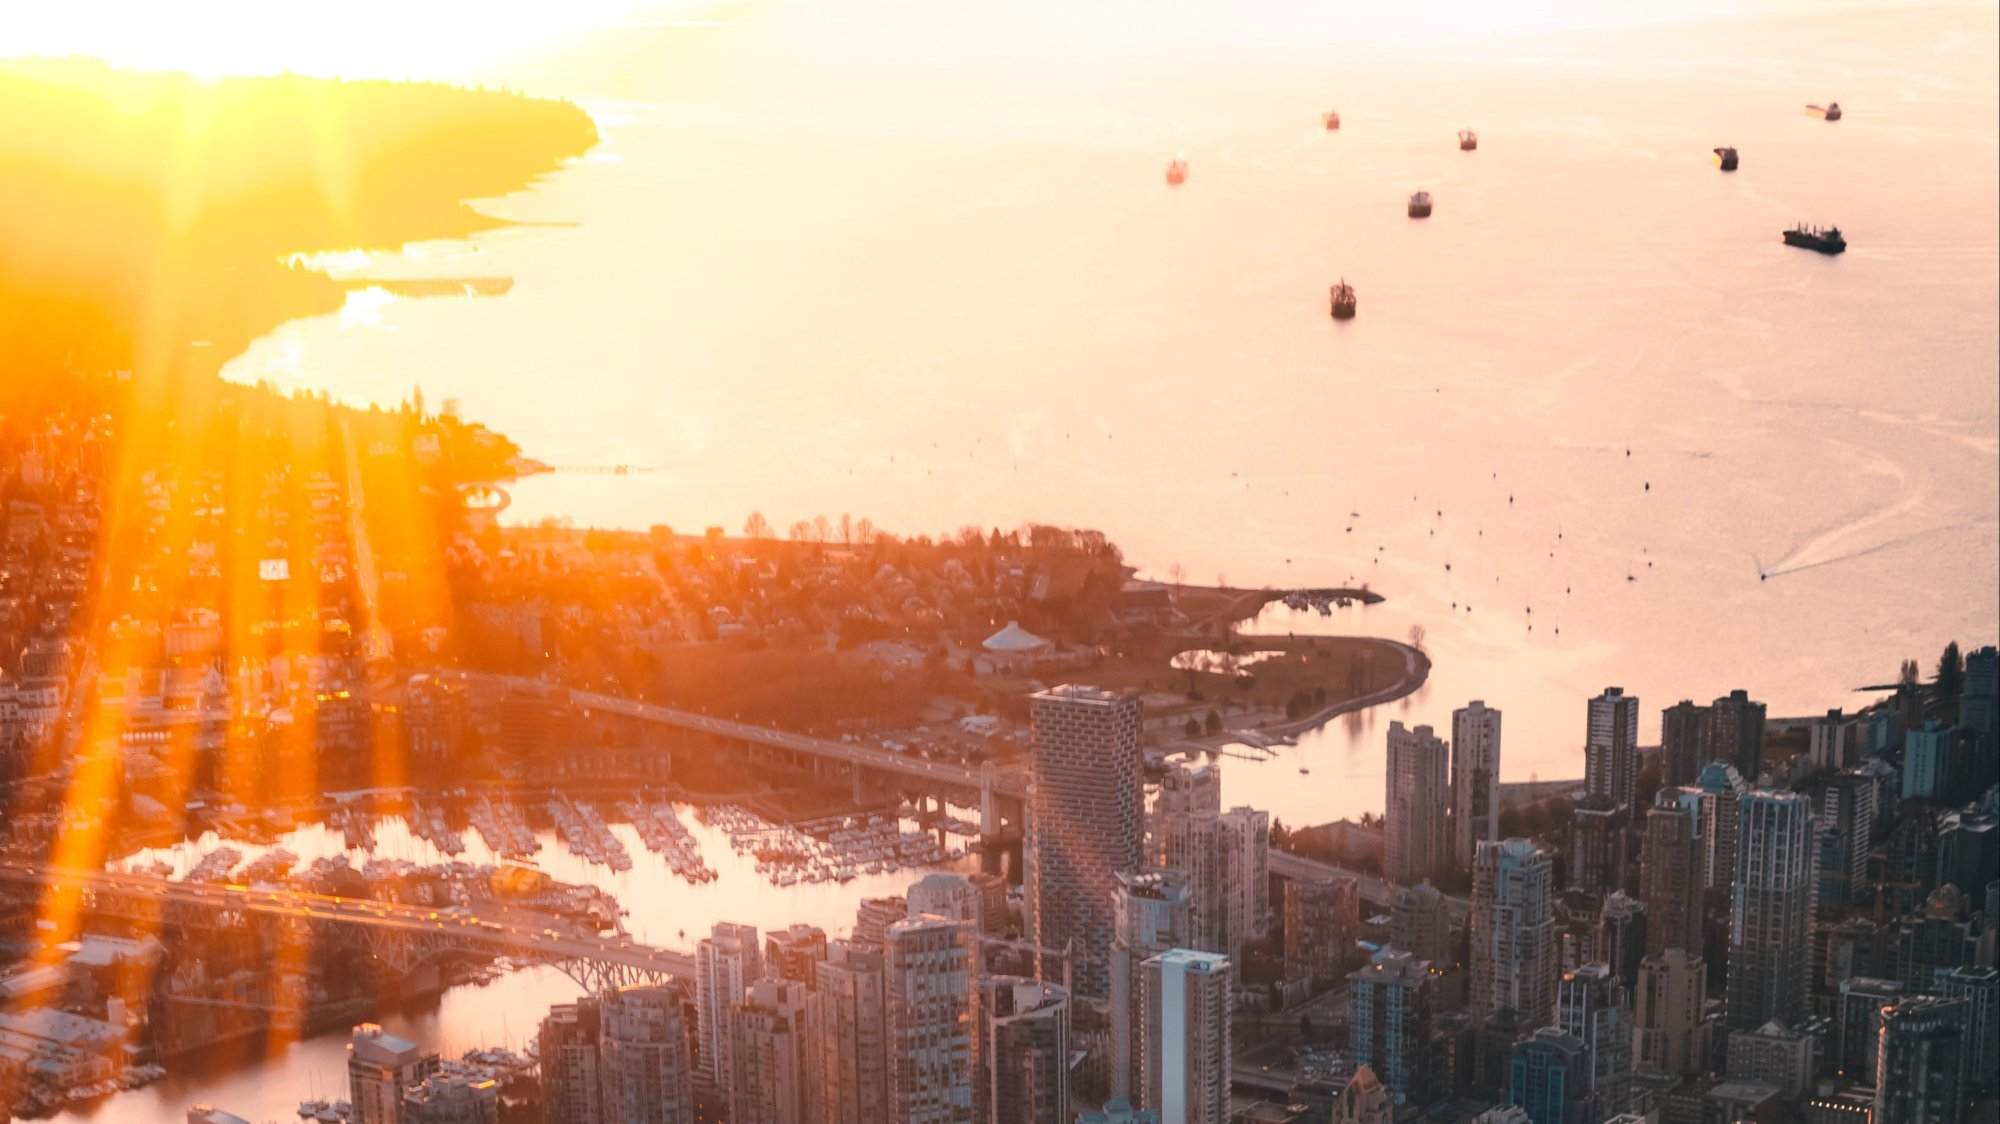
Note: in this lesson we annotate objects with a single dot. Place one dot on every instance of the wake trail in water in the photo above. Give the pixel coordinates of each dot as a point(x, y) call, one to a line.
point(1902, 540)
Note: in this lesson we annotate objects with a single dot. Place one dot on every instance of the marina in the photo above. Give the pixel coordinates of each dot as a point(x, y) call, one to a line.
point(661, 830)
point(585, 833)
point(503, 828)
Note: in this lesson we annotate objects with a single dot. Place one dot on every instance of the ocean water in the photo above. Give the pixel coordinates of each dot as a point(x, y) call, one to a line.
point(919, 263)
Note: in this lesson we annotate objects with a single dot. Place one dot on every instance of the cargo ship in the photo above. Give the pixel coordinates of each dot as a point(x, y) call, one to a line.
point(1342, 300)
point(1331, 120)
point(1725, 157)
point(1420, 205)
point(1467, 140)
point(1177, 172)
point(1826, 241)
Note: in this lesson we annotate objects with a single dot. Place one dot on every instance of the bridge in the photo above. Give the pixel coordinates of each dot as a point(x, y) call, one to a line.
point(402, 935)
point(989, 782)
point(1377, 892)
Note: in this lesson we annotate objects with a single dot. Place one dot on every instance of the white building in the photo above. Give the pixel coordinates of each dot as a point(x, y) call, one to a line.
point(726, 962)
point(1187, 999)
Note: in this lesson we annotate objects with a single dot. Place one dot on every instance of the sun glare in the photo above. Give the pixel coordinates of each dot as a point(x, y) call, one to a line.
point(362, 38)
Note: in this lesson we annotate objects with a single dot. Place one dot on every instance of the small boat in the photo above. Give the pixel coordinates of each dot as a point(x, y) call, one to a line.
point(1331, 120)
point(1467, 140)
point(1420, 205)
point(1177, 172)
point(1826, 241)
point(1341, 298)
point(1303, 771)
point(1830, 111)
point(1725, 158)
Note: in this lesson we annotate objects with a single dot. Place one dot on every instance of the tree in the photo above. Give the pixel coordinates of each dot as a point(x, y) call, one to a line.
point(1213, 723)
point(846, 529)
point(1950, 682)
point(822, 530)
point(1417, 637)
point(1192, 728)
point(757, 527)
point(1177, 574)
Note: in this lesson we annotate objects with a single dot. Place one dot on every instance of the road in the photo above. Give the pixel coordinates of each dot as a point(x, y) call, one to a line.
point(504, 934)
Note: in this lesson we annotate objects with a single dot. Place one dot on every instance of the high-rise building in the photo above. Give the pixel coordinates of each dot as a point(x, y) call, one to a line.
point(1927, 761)
point(1621, 937)
point(1597, 845)
point(1549, 1077)
point(1723, 789)
point(1858, 1024)
point(769, 1055)
point(1774, 1054)
point(1968, 849)
point(1770, 913)
point(1245, 839)
point(1084, 807)
point(789, 954)
point(1322, 917)
point(1673, 989)
point(726, 962)
point(1671, 871)
point(1611, 747)
point(1834, 742)
point(1921, 1057)
point(1185, 836)
point(1513, 931)
point(643, 1057)
point(927, 997)
point(955, 897)
point(873, 917)
point(951, 895)
point(1736, 733)
point(1979, 989)
point(1683, 743)
point(1391, 1002)
point(1023, 1077)
point(454, 1094)
point(1475, 779)
point(1979, 702)
point(1188, 999)
point(1150, 914)
point(1844, 802)
point(1592, 1006)
point(1363, 1100)
point(849, 1039)
point(379, 1066)
point(572, 1090)
point(1415, 823)
point(1419, 925)
point(1189, 786)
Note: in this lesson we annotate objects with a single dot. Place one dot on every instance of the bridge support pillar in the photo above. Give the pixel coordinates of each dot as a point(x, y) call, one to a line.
point(860, 786)
point(989, 812)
